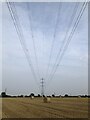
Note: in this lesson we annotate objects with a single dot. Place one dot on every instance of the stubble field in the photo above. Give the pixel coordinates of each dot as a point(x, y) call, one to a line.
point(36, 108)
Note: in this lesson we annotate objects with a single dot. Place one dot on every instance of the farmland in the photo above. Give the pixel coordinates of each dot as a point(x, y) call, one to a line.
point(36, 108)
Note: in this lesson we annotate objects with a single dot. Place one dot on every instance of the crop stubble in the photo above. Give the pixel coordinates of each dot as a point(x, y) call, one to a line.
point(36, 108)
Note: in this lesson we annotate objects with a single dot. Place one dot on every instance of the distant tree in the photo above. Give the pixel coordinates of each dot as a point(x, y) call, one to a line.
point(53, 95)
point(14, 96)
point(32, 94)
point(66, 95)
point(20, 95)
point(3, 94)
point(85, 95)
point(60, 96)
point(38, 95)
point(48, 96)
point(26, 96)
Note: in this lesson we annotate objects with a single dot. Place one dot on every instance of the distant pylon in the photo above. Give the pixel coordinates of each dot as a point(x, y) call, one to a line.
point(42, 87)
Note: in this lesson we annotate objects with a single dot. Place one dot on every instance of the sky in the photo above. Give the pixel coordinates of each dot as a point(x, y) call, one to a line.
point(0, 48)
point(44, 34)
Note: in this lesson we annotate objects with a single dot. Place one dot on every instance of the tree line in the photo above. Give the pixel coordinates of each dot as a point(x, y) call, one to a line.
point(3, 94)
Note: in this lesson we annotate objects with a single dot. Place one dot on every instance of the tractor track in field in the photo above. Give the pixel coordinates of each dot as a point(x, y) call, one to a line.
point(36, 108)
point(46, 109)
point(51, 108)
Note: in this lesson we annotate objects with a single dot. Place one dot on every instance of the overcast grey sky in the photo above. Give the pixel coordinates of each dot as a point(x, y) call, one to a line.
point(72, 73)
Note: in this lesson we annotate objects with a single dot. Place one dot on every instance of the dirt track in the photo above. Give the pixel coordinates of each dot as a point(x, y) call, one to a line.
point(35, 108)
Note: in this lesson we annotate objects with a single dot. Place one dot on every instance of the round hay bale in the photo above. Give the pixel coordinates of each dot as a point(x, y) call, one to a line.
point(79, 96)
point(32, 97)
point(47, 100)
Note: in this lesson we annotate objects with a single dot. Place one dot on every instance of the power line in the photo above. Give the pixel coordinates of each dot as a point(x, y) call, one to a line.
point(43, 48)
point(30, 23)
point(19, 31)
point(54, 36)
point(21, 36)
point(65, 38)
point(70, 36)
point(69, 39)
point(43, 39)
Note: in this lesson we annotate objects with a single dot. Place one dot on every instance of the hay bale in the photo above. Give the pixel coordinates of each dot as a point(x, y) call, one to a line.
point(47, 100)
point(79, 96)
point(32, 97)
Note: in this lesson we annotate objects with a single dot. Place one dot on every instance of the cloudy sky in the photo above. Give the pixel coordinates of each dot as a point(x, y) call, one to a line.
point(45, 28)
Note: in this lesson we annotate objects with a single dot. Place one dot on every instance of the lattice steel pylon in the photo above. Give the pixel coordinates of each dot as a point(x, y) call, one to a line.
point(42, 87)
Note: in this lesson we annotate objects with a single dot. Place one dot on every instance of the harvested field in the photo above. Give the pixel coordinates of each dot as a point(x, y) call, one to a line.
point(0, 108)
point(36, 108)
